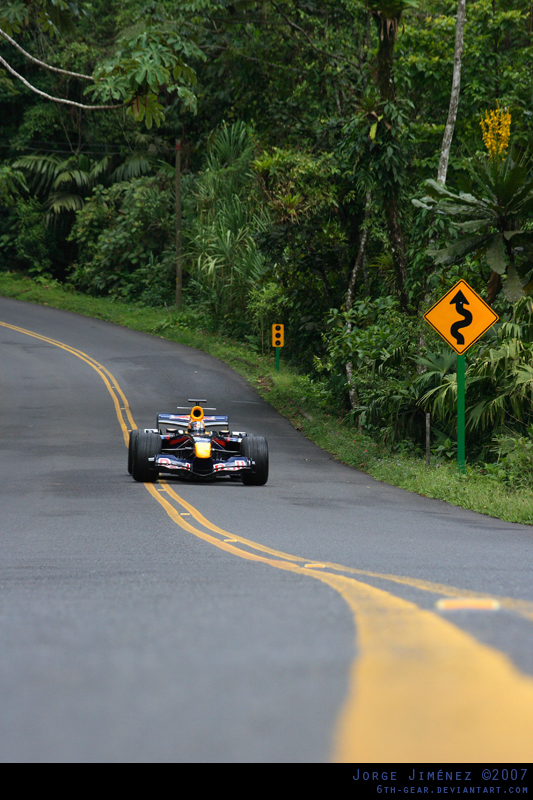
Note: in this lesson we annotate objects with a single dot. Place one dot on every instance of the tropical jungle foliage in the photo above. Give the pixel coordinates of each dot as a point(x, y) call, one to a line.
point(310, 137)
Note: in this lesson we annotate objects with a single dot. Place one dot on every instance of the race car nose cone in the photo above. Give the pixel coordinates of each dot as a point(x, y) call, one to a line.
point(202, 449)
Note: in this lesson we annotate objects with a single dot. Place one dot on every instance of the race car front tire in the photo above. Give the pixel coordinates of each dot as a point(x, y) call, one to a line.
point(256, 449)
point(147, 446)
point(131, 448)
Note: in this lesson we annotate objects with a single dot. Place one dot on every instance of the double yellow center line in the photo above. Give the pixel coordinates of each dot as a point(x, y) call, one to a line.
point(420, 689)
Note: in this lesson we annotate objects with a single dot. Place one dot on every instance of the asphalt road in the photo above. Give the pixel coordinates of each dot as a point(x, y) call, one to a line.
point(295, 622)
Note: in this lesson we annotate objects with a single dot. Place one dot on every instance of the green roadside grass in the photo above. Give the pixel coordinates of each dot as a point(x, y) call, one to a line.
point(287, 392)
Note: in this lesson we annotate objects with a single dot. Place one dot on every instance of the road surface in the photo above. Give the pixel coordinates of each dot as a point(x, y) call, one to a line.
point(302, 621)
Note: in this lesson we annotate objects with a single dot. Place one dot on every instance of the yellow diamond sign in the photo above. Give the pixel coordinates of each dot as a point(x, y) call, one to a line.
point(461, 317)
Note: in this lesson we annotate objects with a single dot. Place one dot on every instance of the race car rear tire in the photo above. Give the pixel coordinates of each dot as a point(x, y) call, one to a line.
point(131, 448)
point(255, 448)
point(147, 446)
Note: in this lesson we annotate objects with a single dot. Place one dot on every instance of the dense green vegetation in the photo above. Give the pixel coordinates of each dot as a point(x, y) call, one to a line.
point(310, 139)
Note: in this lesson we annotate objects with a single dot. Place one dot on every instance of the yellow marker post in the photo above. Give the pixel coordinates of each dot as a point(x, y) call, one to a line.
point(278, 340)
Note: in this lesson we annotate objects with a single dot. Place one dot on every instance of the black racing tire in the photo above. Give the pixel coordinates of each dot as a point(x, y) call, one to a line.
point(147, 446)
point(131, 448)
point(255, 448)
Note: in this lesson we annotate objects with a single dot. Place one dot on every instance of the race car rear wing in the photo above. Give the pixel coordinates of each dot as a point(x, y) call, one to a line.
point(218, 421)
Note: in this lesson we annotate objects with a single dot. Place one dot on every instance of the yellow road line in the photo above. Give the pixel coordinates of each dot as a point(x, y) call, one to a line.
point(212, 527)
point(100, 369)
point(522, 607)
point(468, 604)
point(421, 689)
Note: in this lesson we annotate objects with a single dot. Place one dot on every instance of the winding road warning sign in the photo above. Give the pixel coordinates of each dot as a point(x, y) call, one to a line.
point(461, 317)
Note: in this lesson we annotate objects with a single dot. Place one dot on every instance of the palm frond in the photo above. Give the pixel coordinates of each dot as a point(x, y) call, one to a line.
point(42, 170)
point(486, 414)
point(58, 202)
point(133, 167)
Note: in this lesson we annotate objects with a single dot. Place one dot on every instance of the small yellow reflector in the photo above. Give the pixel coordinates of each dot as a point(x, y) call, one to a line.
point(202, 449)
point(315, 566)
point(468, 603)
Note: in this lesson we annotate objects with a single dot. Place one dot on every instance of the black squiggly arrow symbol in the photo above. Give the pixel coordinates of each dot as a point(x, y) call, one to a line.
point(459, 300)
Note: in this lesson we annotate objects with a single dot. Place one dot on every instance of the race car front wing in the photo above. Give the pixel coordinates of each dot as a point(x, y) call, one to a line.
point(170, 463)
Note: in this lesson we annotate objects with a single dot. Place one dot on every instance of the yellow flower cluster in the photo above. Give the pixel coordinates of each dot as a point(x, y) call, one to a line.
point(496, 128)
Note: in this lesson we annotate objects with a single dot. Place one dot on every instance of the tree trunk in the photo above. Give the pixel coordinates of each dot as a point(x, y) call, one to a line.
point(359, 261)
point(495, 287)
point(360, 254)
point(454, 97)
point(179, 265)
point(387, 29)
point(387, 40)
point(397, 248)
point(450, 124)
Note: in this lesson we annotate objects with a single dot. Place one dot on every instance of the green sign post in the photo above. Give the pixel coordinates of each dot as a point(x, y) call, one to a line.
point(461, 454)
point(460, 327)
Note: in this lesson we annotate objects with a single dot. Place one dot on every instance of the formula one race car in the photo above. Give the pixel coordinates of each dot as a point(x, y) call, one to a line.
point(182, 446)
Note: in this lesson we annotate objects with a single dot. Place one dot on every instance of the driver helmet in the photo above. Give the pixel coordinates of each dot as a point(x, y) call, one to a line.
point(196, 427)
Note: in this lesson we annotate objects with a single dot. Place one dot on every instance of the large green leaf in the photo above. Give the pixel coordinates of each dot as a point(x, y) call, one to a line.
point(472, 225)
point(457, 250)
point(513, 288)
point(523, 197)
point(497, 257)
point(438, 190)
point(468, 198)
point(509, 184)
